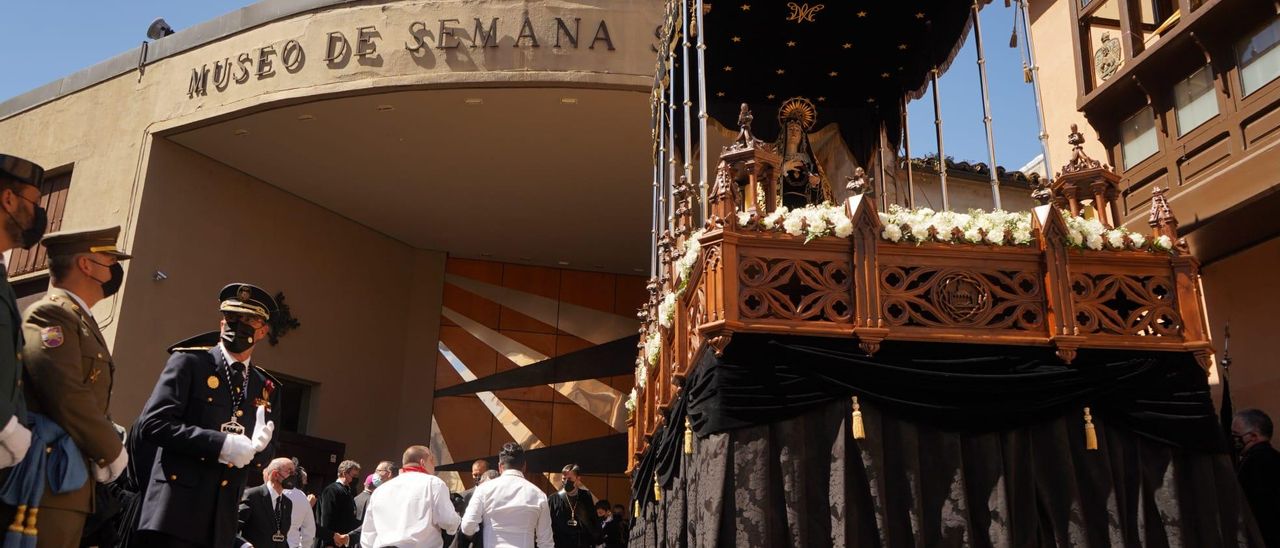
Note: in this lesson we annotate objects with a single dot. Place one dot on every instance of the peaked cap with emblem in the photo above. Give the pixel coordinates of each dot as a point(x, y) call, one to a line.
point(90, 240)
point(247, 299)
point(20, 170)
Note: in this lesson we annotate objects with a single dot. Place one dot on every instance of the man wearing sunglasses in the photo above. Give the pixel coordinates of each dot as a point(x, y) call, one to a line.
point(70, 372)
point(24, 224)
point(208, 417)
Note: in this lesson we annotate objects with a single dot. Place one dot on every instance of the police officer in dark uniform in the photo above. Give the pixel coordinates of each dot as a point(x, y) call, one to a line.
point(23, 224)
point(210, 419)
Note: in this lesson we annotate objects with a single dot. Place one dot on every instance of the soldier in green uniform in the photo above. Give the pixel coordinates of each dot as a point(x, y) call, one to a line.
point(24, 224)
point(70, 372)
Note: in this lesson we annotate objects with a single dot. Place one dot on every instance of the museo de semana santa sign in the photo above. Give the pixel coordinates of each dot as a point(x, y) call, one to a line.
point(420, 39)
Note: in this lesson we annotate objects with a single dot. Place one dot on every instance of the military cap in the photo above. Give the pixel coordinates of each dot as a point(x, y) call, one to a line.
point(247, 299)
point(93, 240)
point(20, 170)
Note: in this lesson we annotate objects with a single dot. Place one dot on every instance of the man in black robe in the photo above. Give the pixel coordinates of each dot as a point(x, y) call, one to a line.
point(336, 520)
point(1259, 471)
point(573, 513)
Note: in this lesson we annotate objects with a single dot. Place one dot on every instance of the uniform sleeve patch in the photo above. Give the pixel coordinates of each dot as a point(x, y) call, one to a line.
point(51, 337)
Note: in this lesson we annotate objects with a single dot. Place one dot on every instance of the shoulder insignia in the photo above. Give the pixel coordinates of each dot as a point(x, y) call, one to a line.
point(190, 349)
point(213, 382)
point(51, 337)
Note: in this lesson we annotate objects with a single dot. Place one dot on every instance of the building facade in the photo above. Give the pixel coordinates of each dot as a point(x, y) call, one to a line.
point(423, 180)
point(1184, 95)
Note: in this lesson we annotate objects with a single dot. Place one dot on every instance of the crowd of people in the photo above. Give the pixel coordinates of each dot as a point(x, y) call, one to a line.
point(70, 476)
point(407, 506)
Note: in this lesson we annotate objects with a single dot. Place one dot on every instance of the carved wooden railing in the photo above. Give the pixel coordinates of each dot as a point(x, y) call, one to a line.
point(868, 289)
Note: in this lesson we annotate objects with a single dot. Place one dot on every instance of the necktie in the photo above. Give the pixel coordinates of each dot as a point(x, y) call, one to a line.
point(237, 379)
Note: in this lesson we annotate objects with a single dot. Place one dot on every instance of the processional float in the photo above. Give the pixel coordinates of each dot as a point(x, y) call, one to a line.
point(809, 348)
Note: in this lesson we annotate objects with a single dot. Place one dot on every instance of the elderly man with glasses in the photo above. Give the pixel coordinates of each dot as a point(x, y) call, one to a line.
point(1259, 470)
point(209, 416)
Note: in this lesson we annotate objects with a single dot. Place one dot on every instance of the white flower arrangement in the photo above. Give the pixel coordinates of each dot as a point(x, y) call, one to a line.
point(688, 258)
point(812, 221)
point(631, 401)
point(667, 310)
point(975, 227)
point(653, 347)
point(1092, 234)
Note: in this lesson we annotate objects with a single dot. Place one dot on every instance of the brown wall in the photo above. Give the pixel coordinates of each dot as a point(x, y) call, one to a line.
point(1244, 291)
point(467, 426)
point(356, 292)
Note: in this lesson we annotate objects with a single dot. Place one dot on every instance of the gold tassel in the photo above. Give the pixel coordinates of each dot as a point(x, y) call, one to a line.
point(21, 514)
point(1090, 432)
point(657, 489)
point(31, 522)
point(688, 437)
point(859, 430)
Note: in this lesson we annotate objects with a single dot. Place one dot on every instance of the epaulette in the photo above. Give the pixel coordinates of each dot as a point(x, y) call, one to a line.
point(198, 343)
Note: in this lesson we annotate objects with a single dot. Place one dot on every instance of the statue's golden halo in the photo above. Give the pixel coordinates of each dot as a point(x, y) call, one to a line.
point(800, 110)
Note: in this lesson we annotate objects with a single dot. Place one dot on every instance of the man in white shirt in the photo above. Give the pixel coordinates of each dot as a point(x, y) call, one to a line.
point(411, 509)
point(302, 528)
point(513, 511)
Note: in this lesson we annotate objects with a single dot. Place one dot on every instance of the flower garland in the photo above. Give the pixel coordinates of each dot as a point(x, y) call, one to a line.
point(1091, 234)
point(976, 227)
point(811, 221)
point(667, 310)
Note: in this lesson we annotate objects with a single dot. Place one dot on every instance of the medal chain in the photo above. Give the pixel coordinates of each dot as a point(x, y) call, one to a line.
point(244, 389)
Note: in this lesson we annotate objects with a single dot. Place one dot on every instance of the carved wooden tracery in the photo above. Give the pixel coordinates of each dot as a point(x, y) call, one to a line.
point(1119, 304)
point(794, 289)
point(950, 297)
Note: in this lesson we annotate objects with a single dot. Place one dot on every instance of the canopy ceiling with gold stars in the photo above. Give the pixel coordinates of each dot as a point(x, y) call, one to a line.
point(856, 60)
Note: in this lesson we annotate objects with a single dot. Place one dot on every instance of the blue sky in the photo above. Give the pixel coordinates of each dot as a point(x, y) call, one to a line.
point(44, 41)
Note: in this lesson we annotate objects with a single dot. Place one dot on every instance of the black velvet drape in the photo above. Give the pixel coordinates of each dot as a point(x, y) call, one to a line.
point(961, 450)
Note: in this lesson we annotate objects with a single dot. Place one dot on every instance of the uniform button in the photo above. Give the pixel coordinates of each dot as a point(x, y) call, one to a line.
point(224, 483)
point(239, 412)
point(173, 477)
point(210, 400)
point(48, 450)
point(99, 355)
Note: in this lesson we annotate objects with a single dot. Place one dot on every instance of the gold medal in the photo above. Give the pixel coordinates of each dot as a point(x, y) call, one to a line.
point(278, 537)
point(213, 382)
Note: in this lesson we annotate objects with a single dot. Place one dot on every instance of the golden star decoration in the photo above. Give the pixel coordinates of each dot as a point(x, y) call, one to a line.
point(884, 75)
point(736, 39)
point(746, 7)
point(728, 68)
point(821, 99)
point(862, 13)
point(719, 94)
point(770, 96)
point(871, 99)
point(791, 43)
point(846, 45)
point(902, 46)
point(833, 74)
point(780, 71)
point(919, 15)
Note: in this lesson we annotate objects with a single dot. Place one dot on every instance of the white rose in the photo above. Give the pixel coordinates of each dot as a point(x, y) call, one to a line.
point(920, 233)
point(891, 232)
point(1094, 241)
point(1115, 238)
point(794, 225)
point(1075, 237)
point(1021, 237)
point(844, 227)
point(973, 235)
point(743, 218)
point(1138, 240)
point(1163, 242)
point(995, 236)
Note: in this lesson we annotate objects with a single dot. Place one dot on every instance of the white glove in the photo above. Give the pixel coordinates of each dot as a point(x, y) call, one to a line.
point(113, 470)
point(237, 451)
point(262, 430)
point(15, 439)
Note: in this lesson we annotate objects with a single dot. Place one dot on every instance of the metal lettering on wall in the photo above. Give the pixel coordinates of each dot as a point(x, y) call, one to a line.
point(420, 38)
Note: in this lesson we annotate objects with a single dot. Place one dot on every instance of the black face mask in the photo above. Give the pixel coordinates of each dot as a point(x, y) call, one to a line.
point(31, 235)
point(112, 285)
point(238, 336)
point(568, 485)
point(289, 482)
